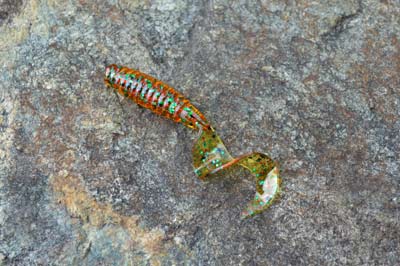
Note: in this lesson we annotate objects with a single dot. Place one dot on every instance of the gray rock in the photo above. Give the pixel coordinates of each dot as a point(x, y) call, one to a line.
point(88, 179)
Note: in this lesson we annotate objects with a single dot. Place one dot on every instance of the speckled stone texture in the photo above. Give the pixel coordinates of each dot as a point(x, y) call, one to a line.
point(87, 178)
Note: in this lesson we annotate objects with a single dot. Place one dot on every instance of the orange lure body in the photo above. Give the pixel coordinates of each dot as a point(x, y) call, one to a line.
point(155, 95)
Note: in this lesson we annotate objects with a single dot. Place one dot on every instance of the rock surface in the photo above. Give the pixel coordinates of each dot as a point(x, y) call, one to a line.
point(88, 179)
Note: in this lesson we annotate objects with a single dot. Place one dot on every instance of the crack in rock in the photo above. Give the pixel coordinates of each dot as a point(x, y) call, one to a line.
point(341, 24)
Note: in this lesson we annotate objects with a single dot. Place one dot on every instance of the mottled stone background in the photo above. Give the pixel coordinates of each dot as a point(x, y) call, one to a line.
point(89, 179)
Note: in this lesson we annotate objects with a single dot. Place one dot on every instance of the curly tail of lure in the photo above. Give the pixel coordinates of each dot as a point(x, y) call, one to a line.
point(209, 153)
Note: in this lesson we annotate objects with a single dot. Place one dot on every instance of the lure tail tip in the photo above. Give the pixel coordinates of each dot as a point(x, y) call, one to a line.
point(270, 192)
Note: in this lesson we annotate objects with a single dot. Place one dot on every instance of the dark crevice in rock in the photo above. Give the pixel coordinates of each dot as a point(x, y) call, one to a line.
point(341, 24)
point(155, 51)
point(8, 9)
point(167, 31)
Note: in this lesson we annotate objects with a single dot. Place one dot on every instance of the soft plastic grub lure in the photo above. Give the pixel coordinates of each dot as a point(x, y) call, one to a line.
point(209, 153)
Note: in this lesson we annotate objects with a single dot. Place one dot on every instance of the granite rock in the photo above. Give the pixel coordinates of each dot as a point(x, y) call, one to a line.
point(87, 178)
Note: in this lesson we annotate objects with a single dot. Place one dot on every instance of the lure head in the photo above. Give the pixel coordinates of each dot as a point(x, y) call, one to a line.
point(110, 74)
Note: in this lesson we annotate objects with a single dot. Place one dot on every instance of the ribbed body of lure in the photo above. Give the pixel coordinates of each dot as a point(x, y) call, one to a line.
point(209, 152)
point(155, 95)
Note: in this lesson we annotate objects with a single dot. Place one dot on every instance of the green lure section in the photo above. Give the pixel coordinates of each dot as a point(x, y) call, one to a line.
point(211, 156)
